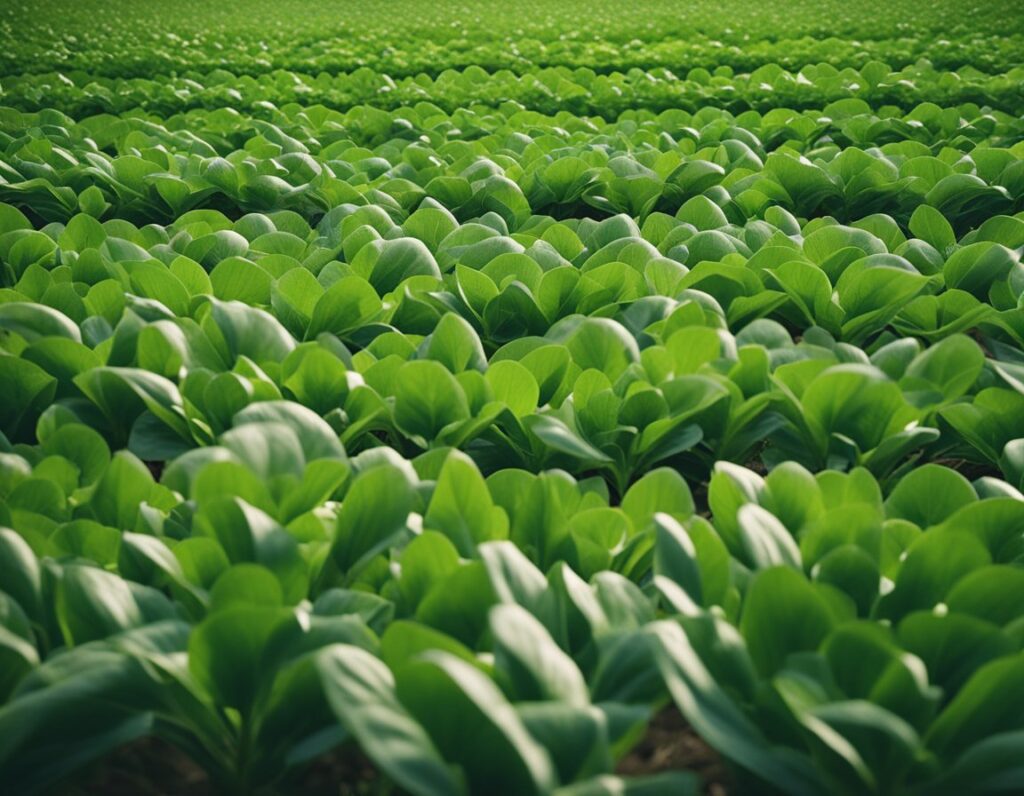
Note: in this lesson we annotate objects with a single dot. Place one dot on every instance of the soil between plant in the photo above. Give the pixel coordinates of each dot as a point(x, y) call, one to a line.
point(151, 767)
point(671, 744)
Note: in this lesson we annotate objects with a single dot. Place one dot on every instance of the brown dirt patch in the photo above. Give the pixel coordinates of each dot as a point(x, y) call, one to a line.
point(672, 745)
point(151, 767)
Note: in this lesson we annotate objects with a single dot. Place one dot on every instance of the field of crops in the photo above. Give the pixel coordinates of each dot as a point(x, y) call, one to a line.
point(562, 397)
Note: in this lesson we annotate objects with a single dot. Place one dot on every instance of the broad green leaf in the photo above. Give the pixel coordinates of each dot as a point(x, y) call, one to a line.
point(928, 495)
point(675, 556)
point(661, 490)
point(374, 510)
point(931, 226)
point(361, 692)
point(427, 398)
point(480, 730)
point(537, 668)
point(990, 703)
point(93, 604)
point(33, 321)
point(719, 720)
point(461, 507)
point(225, 649)
point(782, 615)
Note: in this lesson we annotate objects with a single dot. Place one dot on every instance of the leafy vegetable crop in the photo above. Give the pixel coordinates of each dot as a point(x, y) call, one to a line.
point(456, 397)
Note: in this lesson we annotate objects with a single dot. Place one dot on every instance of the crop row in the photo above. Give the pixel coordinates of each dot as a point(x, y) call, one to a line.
point(550, 90)
point(849, 163)
point(275, 597)
point(125, 40)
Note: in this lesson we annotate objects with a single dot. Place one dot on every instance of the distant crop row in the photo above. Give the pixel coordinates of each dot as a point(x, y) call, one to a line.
point(128, 40)
point(552, 90)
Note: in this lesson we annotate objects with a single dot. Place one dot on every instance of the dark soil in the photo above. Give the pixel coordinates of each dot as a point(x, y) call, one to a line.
point(344, 775)
point(672, 745)
point(151, 767)
point(968, 469)
point(148, 767)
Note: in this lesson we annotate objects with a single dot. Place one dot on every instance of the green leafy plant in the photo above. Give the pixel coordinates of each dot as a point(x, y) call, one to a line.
point(457, 398)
